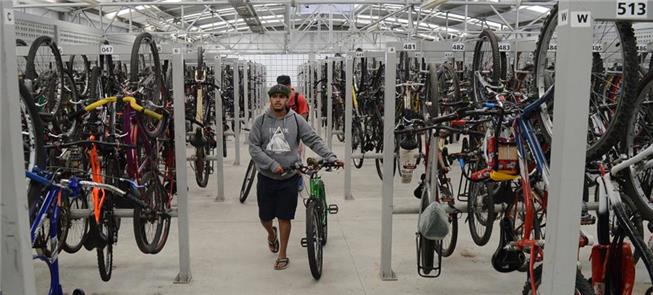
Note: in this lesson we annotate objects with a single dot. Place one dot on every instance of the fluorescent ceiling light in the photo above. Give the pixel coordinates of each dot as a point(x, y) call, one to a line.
point(536, 8)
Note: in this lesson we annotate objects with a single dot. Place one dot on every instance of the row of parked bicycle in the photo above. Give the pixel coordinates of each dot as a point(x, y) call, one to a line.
point(97, 138)
point(501, 106)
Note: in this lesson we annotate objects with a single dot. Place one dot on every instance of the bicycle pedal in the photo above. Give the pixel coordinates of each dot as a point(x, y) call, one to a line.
point(333, 209)
point(304, 242)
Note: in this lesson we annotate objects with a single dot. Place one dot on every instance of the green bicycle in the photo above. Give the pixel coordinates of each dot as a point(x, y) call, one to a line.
point(317, 211)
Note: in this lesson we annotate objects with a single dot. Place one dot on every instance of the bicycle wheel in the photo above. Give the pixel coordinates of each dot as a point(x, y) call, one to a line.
point(248, 181)
point(357, 141)
point(33, 144)
point(150, 222)
point(325, 216)
point(145, 75)
point(80, 68)
point(106, 230)
point(582, 287)
point(486, 64)
point(77, 227)
point(45, 69)
point(313, 239)
point(610, 111)
point(449, 243)
point(638, 183)
point(201, 165)
point(480, 210)
point(427, 247)
point(67, 106)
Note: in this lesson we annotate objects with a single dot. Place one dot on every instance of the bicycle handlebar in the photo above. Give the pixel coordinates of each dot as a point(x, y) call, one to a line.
point(129, 99)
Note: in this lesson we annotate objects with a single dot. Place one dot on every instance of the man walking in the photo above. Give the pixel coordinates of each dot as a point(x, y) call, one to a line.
point(274, 146)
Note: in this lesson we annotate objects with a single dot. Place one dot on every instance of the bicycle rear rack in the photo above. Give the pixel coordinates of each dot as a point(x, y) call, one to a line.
point(428, 271)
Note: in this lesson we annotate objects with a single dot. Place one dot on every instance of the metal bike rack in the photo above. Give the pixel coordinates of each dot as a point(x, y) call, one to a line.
point(17, 271)
point(572, 70)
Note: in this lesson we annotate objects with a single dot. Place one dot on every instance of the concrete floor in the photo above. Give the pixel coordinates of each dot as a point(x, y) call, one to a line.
point(229, 254)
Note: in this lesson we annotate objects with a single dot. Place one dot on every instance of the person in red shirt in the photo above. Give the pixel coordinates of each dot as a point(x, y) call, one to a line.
point(297, 101)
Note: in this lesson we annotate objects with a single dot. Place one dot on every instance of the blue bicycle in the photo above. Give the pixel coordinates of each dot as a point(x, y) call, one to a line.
point(50, 215)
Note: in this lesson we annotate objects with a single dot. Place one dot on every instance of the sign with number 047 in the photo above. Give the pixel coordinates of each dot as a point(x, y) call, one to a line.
point(632, 9)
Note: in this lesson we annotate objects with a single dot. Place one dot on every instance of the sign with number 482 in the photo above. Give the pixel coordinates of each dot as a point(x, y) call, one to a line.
point(632, 9)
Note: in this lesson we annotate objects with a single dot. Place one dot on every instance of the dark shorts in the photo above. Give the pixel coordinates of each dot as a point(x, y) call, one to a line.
point(277, 198)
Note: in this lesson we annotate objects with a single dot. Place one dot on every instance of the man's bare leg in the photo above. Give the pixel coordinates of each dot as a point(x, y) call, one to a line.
point(284, 229)
point(268, 227)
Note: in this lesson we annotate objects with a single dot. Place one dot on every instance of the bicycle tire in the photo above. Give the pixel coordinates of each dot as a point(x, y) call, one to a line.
point(428, 248)
point(201, 165)
point(357, 134)
point(87, 72)
point(30, 71)
point(582, 285)
point(33, 144)
point(637, 189)
point(495, 76)
point(480, 238)
point(313, 244)
point(625, 104)
point(325, 214)
point(250, 174)
point(150, 217)
point(450, 242)
point(72, 246)
point(433, 91)
point(154, 130)
point(105, 260)
point(63, 123)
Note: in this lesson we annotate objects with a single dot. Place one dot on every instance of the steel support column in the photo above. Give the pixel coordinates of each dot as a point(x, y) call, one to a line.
point(237, 112)
point(349, 65)
point(219, 130)
point(329, 129)
point(179, 115)
point(388, 162)
point(17, 271)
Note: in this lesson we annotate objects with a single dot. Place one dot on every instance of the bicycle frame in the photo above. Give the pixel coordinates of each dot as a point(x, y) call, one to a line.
point(51, 202)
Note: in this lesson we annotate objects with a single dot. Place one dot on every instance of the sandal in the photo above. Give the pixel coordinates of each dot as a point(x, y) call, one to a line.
point(281, 263)
point(274, 245)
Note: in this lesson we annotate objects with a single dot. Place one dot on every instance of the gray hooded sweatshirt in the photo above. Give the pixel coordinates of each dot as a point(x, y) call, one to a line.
point(294, 127)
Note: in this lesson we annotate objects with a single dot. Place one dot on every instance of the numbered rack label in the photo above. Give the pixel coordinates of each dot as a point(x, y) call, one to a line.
point(553, 47)
point(410, 46)
point(505, 46)
point(597, 47)
point(448, 54)
point(106, 49)
point(458, 46)
point(631, 9)
point(642, 47)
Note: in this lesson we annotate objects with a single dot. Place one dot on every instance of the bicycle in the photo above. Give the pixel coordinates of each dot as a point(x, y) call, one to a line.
point(47, 222)
point(316, 212)
point(200, 115)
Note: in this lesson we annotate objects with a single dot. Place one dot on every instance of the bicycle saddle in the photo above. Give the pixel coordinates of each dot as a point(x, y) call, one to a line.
point(504, 260)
